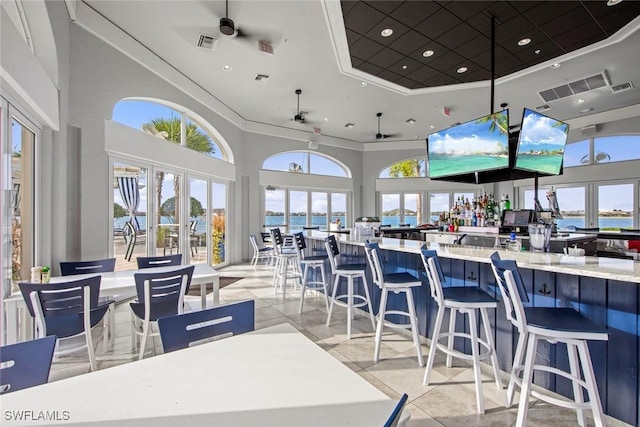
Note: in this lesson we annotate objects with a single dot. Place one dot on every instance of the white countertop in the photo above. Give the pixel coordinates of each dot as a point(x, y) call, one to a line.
point(604, 268)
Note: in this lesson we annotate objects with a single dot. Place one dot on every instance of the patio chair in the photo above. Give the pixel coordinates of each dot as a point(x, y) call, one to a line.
point(183, 330)
point(160, 294)
point(159, 261)
point(68, 310)
point(26, 364)
point(397, 412)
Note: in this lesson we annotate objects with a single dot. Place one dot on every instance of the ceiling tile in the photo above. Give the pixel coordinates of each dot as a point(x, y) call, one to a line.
point(383, 6)
point(467, 9)
point(575, 36)
point(561, 24)
point(458, 36)
point(474, 47)
point(502, 10)
point(438, 23)
point(385, 58)
point(365, 48)
point(362, 17)
point(440, 80)
point(422, 74)
point(411, 65)
point(413, 12)
point(545, 11)
point(536, 37)
point(369, 68)
point(355, 62)
point(482, 23)
point(513, 28)
point(409, 42)
point(447, 61)
point(546, 47)
point(347, 5)
point(408, 83)
point(437, 48)
point(476, 75)
point(389, 75)
point(524, 6)
point(352, 37)
point(398, 30)
point(619, 18)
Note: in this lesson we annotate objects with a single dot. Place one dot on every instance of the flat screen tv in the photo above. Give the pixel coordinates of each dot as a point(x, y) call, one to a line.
point(477, 145)
point(541, 143)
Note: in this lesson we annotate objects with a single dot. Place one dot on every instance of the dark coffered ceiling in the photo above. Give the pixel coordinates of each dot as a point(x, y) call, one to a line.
point(459, 34)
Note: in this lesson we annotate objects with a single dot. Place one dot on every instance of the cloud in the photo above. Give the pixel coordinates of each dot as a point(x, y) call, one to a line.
point(539, 130)
point(446, 144)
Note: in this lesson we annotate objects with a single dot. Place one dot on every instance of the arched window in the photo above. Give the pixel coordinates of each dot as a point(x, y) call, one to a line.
point(602, 149)
point(409, 168)
point(166, 120)
point(306, 162)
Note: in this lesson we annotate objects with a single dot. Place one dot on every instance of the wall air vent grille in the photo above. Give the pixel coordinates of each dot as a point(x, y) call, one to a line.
point(207, 42)
point(579, 86)
point(622, 87)
point(545, 107)
point(261, 78)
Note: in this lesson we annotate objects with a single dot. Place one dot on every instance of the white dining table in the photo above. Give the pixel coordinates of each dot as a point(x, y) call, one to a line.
point(270, 377)
point(19, 322)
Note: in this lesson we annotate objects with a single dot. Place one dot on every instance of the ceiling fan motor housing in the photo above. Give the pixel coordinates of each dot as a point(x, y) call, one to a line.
point(227, 27)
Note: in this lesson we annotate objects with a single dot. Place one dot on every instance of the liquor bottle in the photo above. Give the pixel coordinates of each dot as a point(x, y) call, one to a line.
point(507, 203)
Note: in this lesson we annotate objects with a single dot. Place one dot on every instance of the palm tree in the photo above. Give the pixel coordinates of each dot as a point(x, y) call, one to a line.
point(169, 129)
point(410, 168)
point(498, 122)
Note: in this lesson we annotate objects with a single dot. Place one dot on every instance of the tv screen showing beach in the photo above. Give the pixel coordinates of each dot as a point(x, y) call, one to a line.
point(478, 145)
point(541, 143)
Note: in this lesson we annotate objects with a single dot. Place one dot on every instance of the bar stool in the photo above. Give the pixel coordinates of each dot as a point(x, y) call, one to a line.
point(396, 283)
point(555, 325)
point(311, 263)
point(260, 253)
point(350, 272)
point(286, 263)
point(465, 300)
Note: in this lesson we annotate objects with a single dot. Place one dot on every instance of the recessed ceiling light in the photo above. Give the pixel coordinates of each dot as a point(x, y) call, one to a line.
point(537, 51)
point(461, 70)
point(349, 125)
point(227, 68)
point(404, 67)
point(613, 2)
point(556, 65)
point(432, 126)
point(580, 101)
point(363, 84)
point(325, 119)
point(428, 53)
point(386, 32)
point(524, 42)
point(411, 121)
point(586, 110)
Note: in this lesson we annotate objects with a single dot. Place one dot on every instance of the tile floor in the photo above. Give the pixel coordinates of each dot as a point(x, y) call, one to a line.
point(448, 401)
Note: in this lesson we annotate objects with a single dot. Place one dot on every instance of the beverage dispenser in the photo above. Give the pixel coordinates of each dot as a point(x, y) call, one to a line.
point(366, 227)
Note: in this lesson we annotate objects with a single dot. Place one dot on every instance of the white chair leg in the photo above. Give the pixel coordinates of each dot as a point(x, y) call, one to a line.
point(304, 286)
point(90, 350)
point(452, 329)
point(517, 366)
point(324, 285)
point(366, 293)
point(527, 378)
point(473, 331)
point(434, 344)
point(414, 325)
point(333, 298)
point(349, 304)
point(494, 358)
point(134, 332)
point(578, 395)
point(592, 387)
point(143, 341)
point(381, 315)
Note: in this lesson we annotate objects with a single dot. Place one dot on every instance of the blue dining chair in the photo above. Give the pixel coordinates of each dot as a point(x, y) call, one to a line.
point(393, 419)
point(68, 310)
point(26, 364)
point(182, 330)
point(160, 294)
point(159, 261)
point(70, 268)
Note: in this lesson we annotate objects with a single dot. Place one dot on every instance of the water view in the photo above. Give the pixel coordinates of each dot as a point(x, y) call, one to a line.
point(544, 163)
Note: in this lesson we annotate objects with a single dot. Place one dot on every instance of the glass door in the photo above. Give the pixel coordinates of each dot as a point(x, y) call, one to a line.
point(130, 225)
point(167, 220)
point(218, 223)
point(198, 211)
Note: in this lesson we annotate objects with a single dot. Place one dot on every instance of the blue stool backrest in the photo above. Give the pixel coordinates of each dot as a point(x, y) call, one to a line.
point(430, 253)
point(178, 332)
point(69, 268)
point(26, 364)
point(332, 246)
point(397, 412)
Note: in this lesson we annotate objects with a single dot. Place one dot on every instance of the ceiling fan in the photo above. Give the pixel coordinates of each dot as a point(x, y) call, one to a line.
point(382, 135)
point(300, 116)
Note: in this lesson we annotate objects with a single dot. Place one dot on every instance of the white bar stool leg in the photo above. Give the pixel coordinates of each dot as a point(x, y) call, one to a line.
point(304, 286)
point(590, 379)
point(491, 343)
point(452, 330)
point(381, 314)
point(349, 304)
point(473, 331)
point(324, 285)
point(517, 365)
point(414, 325)
point(527, 378)
point(434, 344)
point(574, 367)
point(366, 293)
point(333, 298)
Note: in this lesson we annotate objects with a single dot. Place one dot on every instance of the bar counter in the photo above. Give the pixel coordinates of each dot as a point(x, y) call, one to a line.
point(605, 290)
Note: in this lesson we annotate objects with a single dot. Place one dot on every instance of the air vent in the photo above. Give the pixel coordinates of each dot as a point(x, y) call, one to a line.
point(545, 107)
point(622, 87)
point(261, 78)
point(207, 42)
point(579, 86)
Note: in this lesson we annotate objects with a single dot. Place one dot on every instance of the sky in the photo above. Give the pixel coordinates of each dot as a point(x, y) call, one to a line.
point(468, 137)
point(538, 133)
